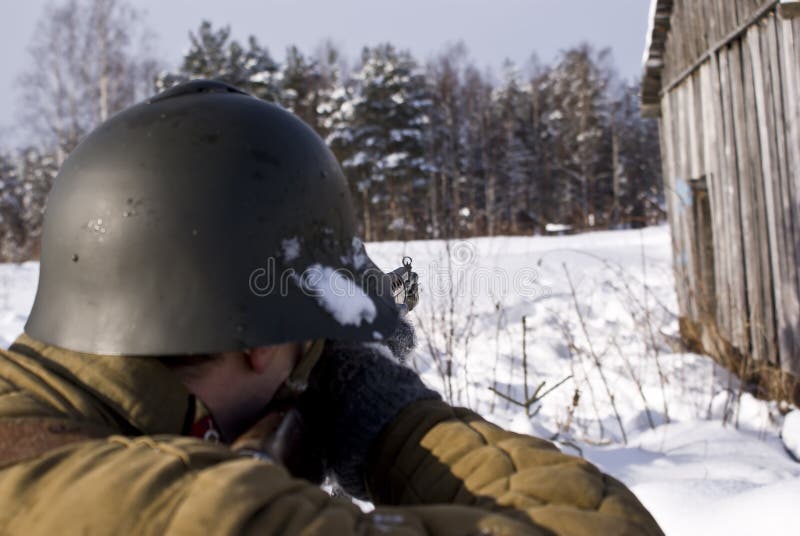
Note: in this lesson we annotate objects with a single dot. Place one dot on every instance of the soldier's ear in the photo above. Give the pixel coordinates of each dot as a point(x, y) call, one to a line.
point(258, 359)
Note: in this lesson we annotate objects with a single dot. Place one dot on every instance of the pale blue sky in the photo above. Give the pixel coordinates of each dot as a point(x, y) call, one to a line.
point(492, 29)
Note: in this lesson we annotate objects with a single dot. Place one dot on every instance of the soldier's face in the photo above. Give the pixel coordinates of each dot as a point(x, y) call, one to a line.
point(237, 386)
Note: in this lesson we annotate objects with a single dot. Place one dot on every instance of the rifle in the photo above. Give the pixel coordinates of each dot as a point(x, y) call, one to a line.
point(404, 286)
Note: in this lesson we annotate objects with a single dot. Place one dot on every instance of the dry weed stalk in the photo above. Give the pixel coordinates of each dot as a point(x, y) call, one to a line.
point(637, 381)
point(594, 356)
point(530, 399)
point(573, 350)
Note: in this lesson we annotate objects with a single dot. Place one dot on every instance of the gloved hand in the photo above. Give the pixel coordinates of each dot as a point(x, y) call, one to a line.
point(355, 390)
point(403, 341)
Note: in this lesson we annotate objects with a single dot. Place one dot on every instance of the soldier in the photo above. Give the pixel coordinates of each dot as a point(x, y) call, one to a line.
point(200, 277)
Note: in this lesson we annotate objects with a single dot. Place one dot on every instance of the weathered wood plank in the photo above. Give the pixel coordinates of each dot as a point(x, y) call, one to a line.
point(747, 202)
point(709, 92)
point(737, 270)
point(729, 260)
point(743, 197)
point(699, 227)
point(758, 49)
point(760, 285)
point(787, 293)
point(724, 17)
point(693, 168)
point(789, 65)
point(730, 244)
point(673, 203)
point(691, 171)
point(684, 197)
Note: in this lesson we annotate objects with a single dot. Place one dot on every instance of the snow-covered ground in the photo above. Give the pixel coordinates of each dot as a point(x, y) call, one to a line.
point(704, 458)
point(599, 313)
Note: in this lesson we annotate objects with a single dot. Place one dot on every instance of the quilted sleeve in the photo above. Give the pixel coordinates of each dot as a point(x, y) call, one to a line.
point(435, 454)
point(168, 485)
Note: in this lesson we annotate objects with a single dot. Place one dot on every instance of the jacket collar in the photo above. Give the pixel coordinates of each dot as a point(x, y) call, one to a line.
point(140, 390)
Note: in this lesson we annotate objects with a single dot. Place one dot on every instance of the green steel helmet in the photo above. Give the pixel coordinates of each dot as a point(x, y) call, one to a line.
point(203, 220)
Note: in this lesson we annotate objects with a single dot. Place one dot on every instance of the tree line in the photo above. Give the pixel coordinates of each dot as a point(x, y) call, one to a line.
point(432, 149)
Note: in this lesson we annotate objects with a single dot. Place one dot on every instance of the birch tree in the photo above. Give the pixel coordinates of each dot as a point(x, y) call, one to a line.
point(88, 60)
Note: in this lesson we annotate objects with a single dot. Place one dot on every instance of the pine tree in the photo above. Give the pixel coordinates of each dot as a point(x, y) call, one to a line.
point(12, 229)
point(638, 187)
point(541, 188)
point(302, 86)
point(479, 166)
point(515, 165)
point(337, 114)
point(450, 212)
point(383, 128)
point(332, 92)
point(577, 129)
point(24, 185)
point(214, 55)
point(38, 170)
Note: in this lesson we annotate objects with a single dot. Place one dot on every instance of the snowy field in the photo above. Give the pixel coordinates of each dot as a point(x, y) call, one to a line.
point(703, 457)
point(600, 331)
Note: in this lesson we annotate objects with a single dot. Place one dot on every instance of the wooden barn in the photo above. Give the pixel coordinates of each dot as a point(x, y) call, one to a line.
point(723, 77)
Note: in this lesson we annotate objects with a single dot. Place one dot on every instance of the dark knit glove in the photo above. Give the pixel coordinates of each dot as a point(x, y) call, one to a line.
point(402, 341)
point(355, 390)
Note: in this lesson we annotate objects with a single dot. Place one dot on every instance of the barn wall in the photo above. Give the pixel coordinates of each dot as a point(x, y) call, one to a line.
point(697, 26)
point(731, 138)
